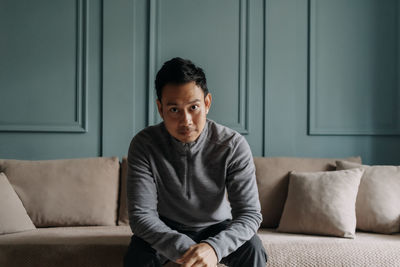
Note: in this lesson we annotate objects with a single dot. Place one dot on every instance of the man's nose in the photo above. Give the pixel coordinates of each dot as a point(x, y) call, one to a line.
point(186, 118)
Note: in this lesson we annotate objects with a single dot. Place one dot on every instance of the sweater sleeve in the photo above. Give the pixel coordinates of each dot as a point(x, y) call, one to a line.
point(243, 196)
point(142, 206)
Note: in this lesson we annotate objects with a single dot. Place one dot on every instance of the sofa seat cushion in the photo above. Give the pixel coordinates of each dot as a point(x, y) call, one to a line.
point(106, 246)
point(66, 246)
point(367, 249)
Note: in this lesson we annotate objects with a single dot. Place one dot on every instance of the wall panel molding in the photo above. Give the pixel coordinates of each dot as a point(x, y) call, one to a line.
point(364, 71)
point(80, 123)
point(119, 75)
point(242, 124)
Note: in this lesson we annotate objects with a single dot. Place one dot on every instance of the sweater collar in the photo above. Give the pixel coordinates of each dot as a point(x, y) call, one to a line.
point(182, 147)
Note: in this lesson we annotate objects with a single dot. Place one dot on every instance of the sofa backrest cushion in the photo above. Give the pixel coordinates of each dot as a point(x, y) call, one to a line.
point(66, 192)
point(123, 218)
point(273, 177)
point(378, 199)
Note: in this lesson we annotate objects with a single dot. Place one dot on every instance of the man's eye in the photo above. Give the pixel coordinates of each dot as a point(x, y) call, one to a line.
point(173, 110)
point(194, 107)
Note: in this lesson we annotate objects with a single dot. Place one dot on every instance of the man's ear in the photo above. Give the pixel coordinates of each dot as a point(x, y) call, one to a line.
point(159, 107)
point(207, 102)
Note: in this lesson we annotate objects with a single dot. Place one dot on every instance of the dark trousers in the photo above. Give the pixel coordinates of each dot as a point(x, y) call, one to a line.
point(251, 253)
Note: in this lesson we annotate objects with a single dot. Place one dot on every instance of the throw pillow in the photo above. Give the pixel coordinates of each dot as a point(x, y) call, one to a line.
point(272, 175)
point(378, 200)
point(13, 216)
point(321, 203)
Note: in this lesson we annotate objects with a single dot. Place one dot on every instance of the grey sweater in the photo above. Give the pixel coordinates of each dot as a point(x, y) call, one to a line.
point(187, 183)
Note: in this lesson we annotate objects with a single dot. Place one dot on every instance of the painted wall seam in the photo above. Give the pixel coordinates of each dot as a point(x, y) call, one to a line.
point(264, 82)
point(153, 32)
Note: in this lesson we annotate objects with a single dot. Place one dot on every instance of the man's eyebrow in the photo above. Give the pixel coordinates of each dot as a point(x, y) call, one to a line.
point(191, 102)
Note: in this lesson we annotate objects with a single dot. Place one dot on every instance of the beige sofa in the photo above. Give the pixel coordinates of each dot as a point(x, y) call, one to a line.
point(74, 214)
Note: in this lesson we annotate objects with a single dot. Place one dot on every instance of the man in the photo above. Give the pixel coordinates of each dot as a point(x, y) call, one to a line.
point(179, 173)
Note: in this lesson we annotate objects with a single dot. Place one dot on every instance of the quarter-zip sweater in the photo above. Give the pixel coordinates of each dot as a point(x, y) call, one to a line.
point(188, 183)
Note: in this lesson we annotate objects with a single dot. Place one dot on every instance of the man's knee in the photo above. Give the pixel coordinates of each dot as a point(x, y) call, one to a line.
point(140, 253)
point(251, 253)
point(255, 246)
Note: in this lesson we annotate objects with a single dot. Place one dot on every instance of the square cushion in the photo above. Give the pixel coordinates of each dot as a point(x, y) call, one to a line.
point(66, 192)
point(123, 218)
point(273, 177)
point(321, 203)
point(378, 200)
point(13, 216)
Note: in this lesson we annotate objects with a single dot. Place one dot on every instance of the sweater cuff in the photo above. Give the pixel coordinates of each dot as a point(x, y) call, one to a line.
point(215, 247)
point(177, 252)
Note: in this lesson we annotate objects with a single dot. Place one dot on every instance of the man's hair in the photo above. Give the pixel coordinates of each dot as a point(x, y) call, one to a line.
point(180, 71)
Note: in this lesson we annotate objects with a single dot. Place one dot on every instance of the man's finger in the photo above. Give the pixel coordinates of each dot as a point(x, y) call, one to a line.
point(190, 259)
point(182, 259)
point(197, 263)
point(189, 262)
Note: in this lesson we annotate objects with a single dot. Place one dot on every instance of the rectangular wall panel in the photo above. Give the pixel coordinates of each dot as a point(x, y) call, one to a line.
point(219, 44)
point(50, 82)
point(43, 67)
point(354, 67)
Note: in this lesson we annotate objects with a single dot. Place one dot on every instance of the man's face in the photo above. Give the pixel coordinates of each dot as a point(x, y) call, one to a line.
point(184, 108)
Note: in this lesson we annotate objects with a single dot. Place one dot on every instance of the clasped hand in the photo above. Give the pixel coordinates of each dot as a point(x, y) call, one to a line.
point(199, 255)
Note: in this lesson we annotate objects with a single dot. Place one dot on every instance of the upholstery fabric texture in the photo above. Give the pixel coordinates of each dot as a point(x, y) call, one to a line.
point(105, 246)
point(13, 216)
point(321, 203)
point(367, 249)
point(378, 200)
point(123, 218)
point(66, 192)
point(82, 246)
point(273, 178)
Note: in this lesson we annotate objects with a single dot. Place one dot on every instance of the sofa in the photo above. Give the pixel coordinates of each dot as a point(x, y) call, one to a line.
point(73, 212)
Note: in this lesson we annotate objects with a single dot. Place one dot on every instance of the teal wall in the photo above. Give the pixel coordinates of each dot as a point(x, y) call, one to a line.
point(315, 78)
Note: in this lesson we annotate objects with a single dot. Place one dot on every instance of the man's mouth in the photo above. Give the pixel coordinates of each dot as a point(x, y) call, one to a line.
point(186, 131)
